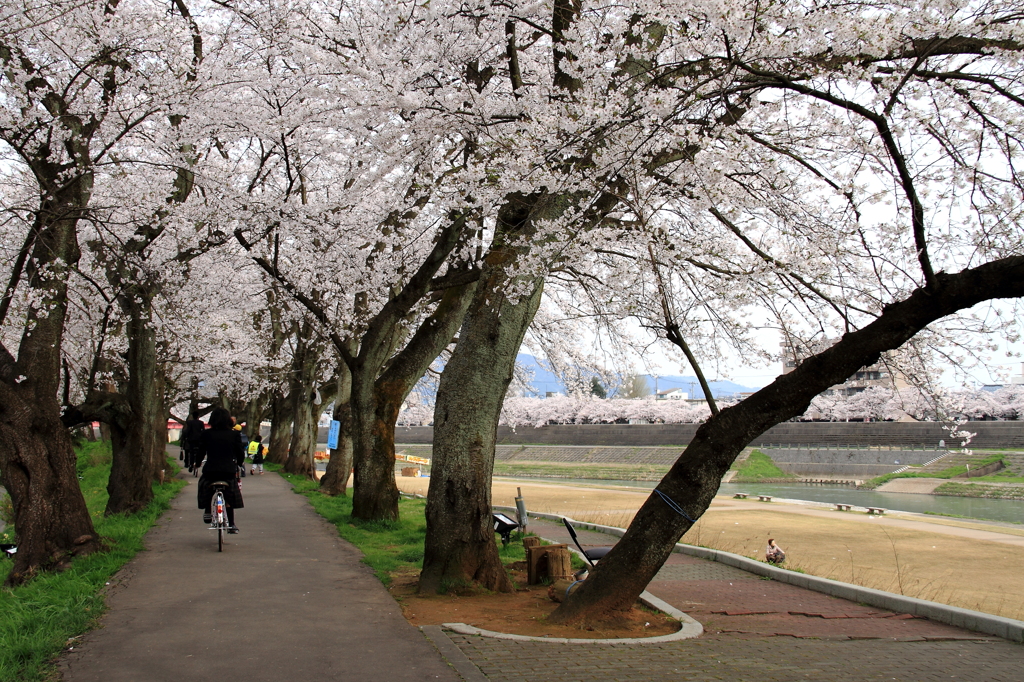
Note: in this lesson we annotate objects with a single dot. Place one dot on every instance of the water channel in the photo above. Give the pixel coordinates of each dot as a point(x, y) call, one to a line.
point(1008, 511)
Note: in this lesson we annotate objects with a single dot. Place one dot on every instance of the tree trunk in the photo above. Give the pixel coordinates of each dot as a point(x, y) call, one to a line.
point(339, 467)
point(51, 521)
point(307, 412)
point(37, 462)
point(390, 391)
point(159, 447)
point(253, 415)
point(303, 444)
point(133, 466)
point(460, 544)
point(375, 494)
point(282, 413)
point(694, 479)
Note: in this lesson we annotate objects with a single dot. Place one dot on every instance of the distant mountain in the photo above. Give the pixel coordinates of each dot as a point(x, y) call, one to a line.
point(544, 381)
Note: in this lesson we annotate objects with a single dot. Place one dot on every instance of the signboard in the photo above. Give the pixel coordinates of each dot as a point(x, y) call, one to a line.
point(402, 457)
point(332, 435)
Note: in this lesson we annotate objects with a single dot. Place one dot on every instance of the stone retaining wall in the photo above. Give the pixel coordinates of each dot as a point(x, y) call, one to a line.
point(1004, 434)
point(895, 458)
point(859, 472)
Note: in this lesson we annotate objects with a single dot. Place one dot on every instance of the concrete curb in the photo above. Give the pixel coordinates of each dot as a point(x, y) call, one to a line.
point(976, 621)
point(453, 654)
point(690, 629)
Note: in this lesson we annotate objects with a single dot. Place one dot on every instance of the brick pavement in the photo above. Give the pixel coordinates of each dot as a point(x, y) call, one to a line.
point(761, 659)
point(755, 629)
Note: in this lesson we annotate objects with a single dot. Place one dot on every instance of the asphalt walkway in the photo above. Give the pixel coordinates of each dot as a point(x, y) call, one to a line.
point(286, 600)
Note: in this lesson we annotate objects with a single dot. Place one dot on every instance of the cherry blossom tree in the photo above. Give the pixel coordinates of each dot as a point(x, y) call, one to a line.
point(77, 82)
point(794, 186)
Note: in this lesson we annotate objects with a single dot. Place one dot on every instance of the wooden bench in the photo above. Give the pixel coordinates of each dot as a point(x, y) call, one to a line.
point(876, 510)
point(765, 498)
point(843, 507)
point(740, 496)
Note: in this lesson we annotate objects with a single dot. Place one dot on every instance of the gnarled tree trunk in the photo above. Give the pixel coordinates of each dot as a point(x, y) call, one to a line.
point(281, 415)
point(375, 494)
point(307, 405)
point(339, 466)
point(460, 544)
point(390, 391)
point(135, 454)
point(37, 462)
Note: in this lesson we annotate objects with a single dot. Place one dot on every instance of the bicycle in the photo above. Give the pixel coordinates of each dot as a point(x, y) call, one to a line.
point(219, 509)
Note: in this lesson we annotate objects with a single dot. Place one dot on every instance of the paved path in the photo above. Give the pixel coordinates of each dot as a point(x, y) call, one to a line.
point(755, 630)
point(924, 486)
point(286, 600)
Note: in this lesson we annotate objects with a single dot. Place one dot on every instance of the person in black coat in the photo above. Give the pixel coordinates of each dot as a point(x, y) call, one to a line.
point(224, 454)
point(190, 437)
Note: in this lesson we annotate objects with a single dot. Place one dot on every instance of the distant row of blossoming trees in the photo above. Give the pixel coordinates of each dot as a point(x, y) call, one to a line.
point(872, 404)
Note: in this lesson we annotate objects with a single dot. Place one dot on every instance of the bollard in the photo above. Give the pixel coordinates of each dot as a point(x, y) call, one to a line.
point(521, 516)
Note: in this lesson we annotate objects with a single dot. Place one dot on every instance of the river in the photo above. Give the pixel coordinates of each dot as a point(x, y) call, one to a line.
point(1008, 511)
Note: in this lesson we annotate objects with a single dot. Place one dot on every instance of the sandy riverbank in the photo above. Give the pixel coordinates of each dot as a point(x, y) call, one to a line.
point(971, 564)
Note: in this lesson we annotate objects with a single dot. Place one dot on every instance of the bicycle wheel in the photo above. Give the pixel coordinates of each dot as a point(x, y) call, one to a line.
point(219, 518)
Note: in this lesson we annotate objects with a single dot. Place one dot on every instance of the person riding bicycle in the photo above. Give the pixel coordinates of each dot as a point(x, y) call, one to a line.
point(224, 454)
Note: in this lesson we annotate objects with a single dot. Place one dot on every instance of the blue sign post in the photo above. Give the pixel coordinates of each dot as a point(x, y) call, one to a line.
point(332, 435)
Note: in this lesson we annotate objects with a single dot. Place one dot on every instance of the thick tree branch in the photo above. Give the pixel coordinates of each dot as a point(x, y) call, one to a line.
point(695, 477)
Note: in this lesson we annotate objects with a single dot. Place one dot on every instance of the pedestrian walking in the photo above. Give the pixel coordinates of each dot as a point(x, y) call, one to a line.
point(191, 436)
point(255, 451)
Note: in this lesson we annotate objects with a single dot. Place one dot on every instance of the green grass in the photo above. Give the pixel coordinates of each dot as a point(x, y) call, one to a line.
point(607, 472)
point(387, 546)
point(1015, 492)
point(38, 620)
point(948, 472)
point(758, 467)
point(968, 518)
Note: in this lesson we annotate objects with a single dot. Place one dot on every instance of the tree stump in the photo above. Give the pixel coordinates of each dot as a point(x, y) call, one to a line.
point(559, 562)
point(531, 541)
point(539, 562)
point(560, 589)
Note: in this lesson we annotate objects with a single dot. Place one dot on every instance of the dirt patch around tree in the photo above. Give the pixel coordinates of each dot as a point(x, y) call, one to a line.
point(523, 612)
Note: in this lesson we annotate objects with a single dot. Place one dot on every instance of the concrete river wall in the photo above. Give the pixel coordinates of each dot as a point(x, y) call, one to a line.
point(916, 435)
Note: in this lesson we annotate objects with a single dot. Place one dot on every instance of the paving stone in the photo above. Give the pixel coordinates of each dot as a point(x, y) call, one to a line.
point(757, 630)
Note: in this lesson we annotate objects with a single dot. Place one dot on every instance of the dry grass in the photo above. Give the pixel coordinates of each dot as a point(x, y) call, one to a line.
point(926, 561)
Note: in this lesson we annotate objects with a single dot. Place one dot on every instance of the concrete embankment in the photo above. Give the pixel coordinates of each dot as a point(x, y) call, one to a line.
point(994, 434)
point(911, 485)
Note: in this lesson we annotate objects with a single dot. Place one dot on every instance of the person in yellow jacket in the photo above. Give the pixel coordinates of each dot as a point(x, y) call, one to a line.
point(255, 451)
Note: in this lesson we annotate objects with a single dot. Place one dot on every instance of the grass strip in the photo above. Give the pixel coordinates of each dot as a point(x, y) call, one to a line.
point(948, 472)
point(1000, 492)
point(387, 546)
point(39, 619)
point(758, 467)
point(600, 472)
